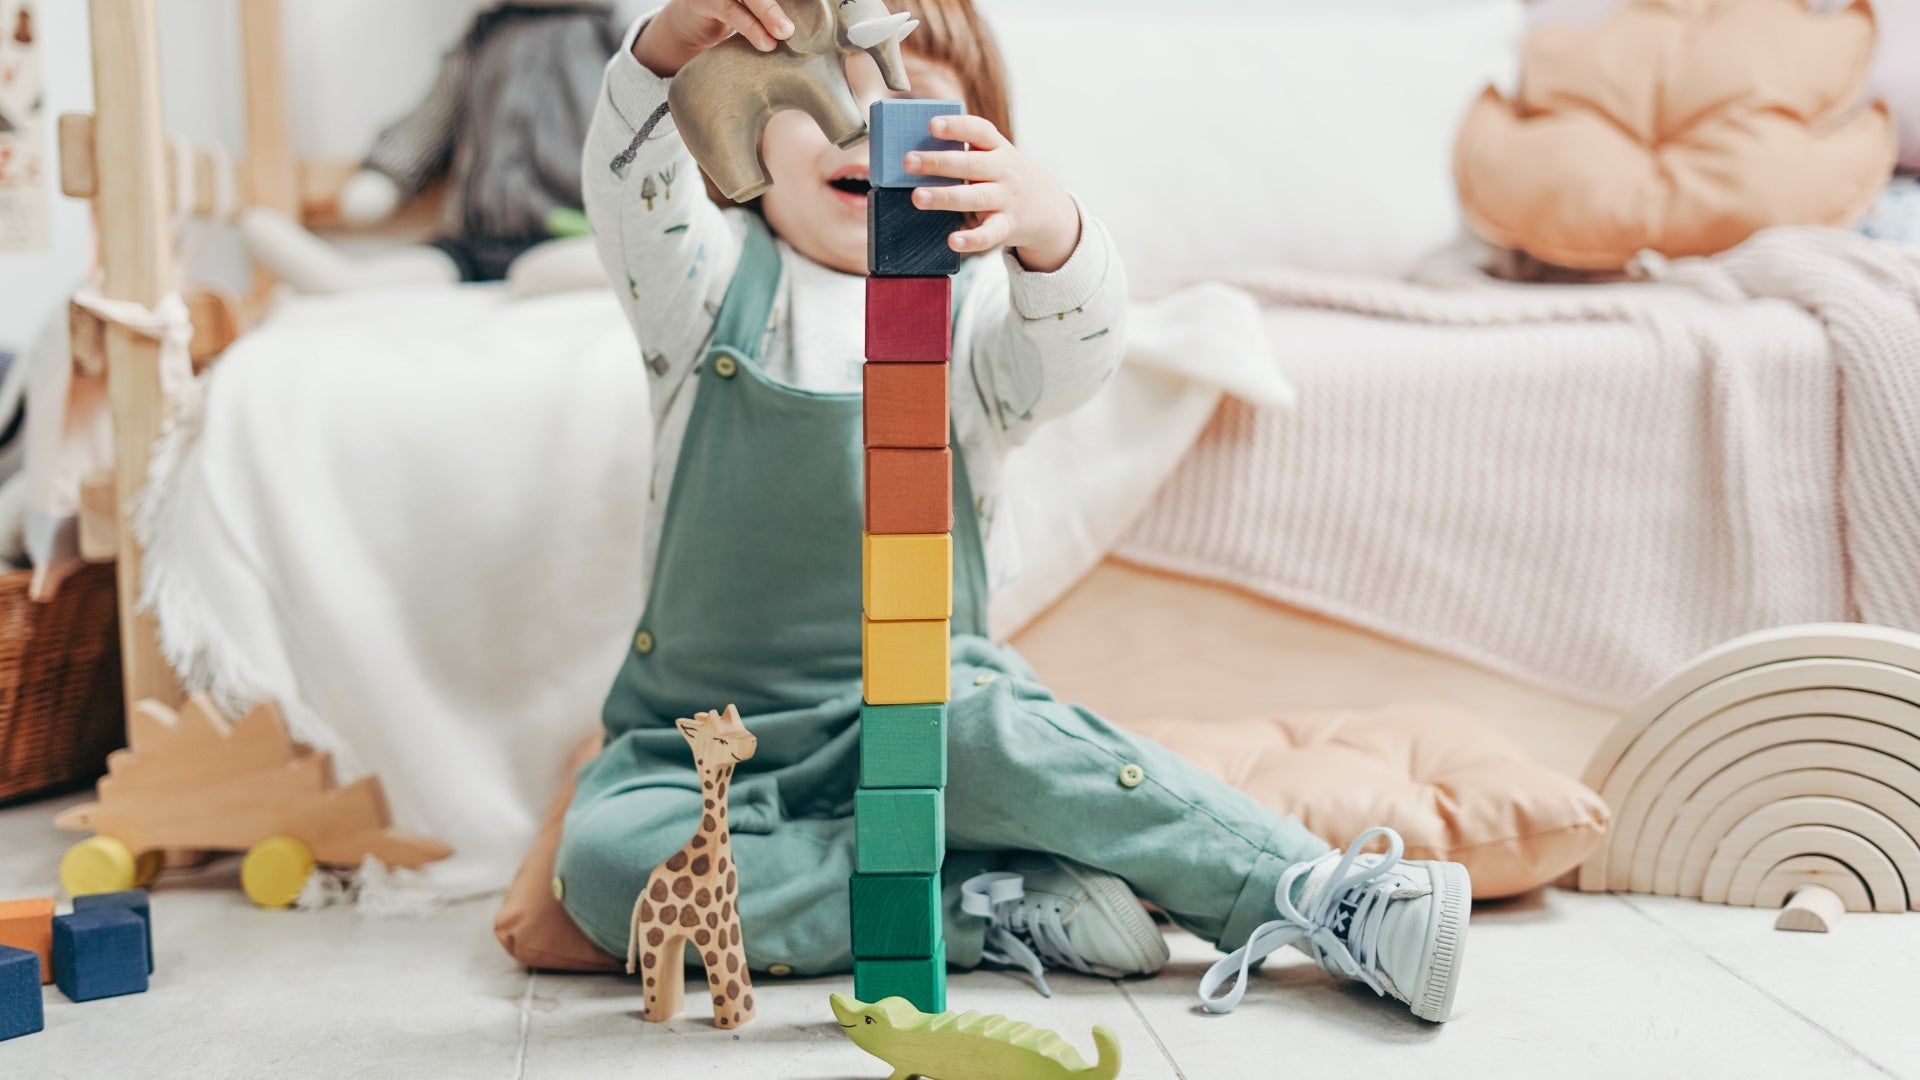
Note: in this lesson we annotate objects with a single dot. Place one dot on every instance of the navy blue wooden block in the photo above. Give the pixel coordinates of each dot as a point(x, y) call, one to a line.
point(21, 1011)
point(98, 953)
point(896, 126)
point(134, 900)
point(906, 241)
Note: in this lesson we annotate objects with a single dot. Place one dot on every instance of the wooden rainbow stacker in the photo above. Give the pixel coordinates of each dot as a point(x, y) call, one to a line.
point(900, 820)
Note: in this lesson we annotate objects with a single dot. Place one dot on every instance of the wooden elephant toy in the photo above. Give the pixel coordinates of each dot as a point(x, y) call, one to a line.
point(722, 100)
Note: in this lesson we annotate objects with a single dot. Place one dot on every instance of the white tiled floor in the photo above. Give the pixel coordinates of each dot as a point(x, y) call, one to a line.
point(1558, 984)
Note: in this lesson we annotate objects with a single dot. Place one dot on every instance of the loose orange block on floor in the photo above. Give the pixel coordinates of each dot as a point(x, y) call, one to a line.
point(904, 663)
point(909, 491)
point(28, 924)
point(906, 405)
point(907, 577)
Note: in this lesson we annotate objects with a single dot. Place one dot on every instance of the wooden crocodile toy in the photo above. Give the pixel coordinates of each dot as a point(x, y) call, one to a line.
point(969, 1046)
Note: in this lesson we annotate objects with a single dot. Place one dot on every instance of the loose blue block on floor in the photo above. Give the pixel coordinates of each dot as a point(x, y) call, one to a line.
point(134, 900)
point(21, 1012)
point(99, 953)
point(897, 126)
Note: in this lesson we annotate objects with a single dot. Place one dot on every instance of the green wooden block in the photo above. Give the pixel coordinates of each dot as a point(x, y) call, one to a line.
point(899, 830)
point(895, 916)
point(903, 746)
point(922, 982)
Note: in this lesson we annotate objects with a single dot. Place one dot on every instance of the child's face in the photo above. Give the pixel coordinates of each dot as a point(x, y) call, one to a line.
point(818, 202)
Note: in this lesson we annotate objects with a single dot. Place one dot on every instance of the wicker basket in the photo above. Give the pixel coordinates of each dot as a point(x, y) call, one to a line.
point(60, 708)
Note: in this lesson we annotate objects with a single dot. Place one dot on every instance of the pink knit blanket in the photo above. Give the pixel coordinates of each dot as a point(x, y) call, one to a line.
point(1580, 485)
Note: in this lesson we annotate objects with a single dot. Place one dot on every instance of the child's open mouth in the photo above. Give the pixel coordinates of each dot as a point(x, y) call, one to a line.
point(851, 186)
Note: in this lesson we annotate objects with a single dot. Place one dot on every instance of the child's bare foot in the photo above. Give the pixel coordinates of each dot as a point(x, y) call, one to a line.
point(1400, 927)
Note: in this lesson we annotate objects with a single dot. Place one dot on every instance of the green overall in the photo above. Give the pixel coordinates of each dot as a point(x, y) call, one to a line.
point(755, 600)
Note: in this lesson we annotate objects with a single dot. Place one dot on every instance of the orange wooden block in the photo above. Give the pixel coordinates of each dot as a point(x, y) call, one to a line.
point(28, 924)
point(906, 405)
point(909, 491)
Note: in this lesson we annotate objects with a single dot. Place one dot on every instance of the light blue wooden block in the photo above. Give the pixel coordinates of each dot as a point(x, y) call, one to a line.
point(899, 125)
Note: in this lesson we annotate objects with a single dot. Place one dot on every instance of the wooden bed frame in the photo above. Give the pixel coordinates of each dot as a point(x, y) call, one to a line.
point(121, 159)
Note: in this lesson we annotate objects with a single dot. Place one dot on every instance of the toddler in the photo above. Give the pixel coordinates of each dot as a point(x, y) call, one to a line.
point(750, 323)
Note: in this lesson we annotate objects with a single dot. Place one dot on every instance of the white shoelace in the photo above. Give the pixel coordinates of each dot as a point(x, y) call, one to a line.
point(1031, 937)
point(1346, 945)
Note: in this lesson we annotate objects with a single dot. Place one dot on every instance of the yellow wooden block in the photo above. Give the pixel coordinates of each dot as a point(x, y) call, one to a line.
point(905, 663)
point(908, 577)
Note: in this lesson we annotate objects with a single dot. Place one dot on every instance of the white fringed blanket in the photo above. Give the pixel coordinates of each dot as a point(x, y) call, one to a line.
point(414, 518)
point(1580, 485)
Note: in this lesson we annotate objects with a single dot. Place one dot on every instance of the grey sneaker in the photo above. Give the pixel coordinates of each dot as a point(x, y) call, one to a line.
point(1053, 913)
point(1400, 927)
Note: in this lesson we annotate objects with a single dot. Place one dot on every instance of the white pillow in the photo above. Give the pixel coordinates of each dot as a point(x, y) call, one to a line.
point(1229, 136)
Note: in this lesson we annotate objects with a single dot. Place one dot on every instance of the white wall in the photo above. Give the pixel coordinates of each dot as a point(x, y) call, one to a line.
point(351, 65)
point(30, 284)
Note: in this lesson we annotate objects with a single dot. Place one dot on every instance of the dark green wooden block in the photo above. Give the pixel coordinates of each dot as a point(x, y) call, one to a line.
point(903, 746)
point(922, 982)
point(899, 830)
point(895, 916)
point(906, 241)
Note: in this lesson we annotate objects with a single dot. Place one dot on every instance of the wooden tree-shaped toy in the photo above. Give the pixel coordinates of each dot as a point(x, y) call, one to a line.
point(196, 781)
point(694, 897)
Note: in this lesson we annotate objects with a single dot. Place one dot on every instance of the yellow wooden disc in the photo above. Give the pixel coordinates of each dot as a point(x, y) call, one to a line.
point(98, 864)
point(275, 871)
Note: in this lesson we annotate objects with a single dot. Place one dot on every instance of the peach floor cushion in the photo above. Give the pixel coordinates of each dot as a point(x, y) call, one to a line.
point(1454, 787)
point(1680, 127)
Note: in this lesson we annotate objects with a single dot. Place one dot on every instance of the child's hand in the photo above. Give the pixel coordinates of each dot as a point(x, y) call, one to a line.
point(1018, 204)
point(686, 28)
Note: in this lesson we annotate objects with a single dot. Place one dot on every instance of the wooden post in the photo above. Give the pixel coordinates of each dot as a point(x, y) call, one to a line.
point(137, 265)
point(272, 181)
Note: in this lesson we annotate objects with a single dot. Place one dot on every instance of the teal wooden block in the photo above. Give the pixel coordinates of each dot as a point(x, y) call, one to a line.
point(903, 746)
point(922, 982)
point(899, 830)
point(896, 916)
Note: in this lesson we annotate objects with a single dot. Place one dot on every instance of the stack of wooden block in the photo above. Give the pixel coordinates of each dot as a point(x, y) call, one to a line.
point(898, 946)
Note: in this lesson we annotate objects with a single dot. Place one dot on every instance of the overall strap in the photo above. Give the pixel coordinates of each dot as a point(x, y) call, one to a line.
point(742, 323)
point(970, 582)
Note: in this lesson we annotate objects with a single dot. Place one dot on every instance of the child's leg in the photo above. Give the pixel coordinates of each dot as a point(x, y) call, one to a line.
point(625, 820)
point(1027, 772)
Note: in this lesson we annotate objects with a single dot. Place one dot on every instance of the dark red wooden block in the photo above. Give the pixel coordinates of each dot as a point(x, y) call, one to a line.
point(909, 319)
point(906, 405)
point(909, 492)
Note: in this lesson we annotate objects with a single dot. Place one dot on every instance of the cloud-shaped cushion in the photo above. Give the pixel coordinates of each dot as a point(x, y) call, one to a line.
point(1683, 126)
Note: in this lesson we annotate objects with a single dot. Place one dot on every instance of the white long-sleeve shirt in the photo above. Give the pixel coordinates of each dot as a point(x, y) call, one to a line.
point(1027, 347)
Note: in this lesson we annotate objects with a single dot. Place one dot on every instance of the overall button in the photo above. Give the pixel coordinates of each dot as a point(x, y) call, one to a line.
point(1131, 776)
point(643, 642)
point(725, 367)
point(559, 888)
point(779, 969)
point(984, 678)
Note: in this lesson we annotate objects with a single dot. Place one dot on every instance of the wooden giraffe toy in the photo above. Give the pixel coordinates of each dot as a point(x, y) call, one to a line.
point(694, 896)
